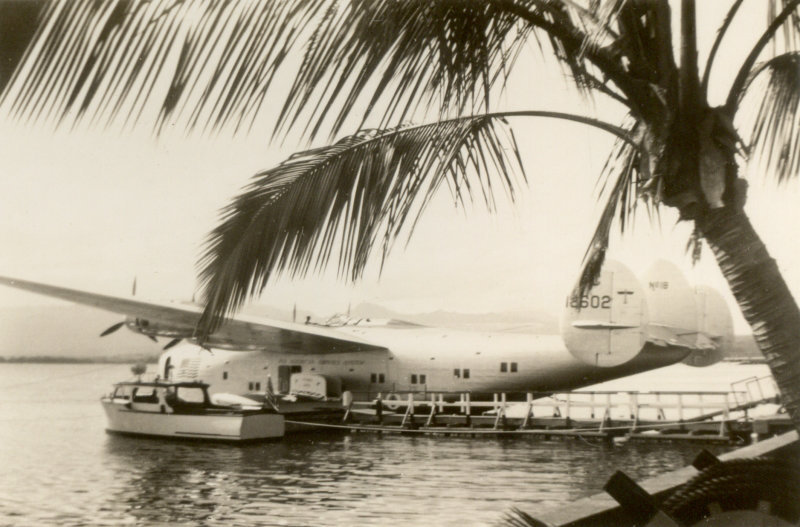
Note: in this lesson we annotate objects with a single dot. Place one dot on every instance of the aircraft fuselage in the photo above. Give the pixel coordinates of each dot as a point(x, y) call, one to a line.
point(419, 360)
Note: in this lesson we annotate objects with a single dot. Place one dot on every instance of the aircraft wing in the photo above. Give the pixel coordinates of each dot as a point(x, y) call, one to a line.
point(179, 320)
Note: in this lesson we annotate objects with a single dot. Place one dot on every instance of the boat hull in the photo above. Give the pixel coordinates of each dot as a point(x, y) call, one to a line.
point(219, 425)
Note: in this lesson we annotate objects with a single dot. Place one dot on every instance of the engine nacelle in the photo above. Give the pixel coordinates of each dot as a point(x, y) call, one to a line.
point(154, 329)
point(606, 326)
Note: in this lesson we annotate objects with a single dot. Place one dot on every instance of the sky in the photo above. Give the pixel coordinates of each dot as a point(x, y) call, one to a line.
point(93, 209)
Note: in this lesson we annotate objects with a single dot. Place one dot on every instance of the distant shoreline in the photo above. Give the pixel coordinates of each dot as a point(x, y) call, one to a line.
point(54, 359)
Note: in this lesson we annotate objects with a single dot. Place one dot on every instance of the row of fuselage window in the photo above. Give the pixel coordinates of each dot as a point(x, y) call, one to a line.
point(458, 373)
point(380, 378)
point(252, 386)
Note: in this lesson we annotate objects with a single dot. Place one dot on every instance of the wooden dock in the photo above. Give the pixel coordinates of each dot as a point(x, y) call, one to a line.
point(602, 509)
point(697, 416)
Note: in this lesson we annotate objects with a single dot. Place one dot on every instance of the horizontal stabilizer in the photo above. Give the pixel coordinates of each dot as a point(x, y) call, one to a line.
point(591, 324)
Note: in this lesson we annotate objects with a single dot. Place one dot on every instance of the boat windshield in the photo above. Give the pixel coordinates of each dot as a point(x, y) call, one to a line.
point(189, 394)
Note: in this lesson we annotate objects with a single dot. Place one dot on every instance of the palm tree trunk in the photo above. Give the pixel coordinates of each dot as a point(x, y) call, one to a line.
point(762, 294)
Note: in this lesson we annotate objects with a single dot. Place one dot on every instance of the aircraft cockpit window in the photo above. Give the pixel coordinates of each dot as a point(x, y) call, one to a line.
point(503, 367)
point(513, 367)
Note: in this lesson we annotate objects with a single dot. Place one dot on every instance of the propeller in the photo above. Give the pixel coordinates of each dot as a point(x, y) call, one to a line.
point(118, 325)
point(112, 329)
point(171, 343)
point(115, 327)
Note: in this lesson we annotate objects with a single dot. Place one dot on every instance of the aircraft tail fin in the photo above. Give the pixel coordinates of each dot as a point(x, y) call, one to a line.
point(715, 326)
point(696, 318)
point(606, 327)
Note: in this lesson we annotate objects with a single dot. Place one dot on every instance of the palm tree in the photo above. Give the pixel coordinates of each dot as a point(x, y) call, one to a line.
point(211, 65)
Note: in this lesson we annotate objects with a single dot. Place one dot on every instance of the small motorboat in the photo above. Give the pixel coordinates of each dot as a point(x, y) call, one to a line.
point(185, 410)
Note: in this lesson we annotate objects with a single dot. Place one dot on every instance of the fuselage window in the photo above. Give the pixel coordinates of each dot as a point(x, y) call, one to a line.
point(422, 379)
point(457, 373)
point(503, 367)
point(249, 386)
point(373, 378)
point(224, 375)
point(258, 386)
point(465, 373)
point(513, 367)
point(413, 378)
point(381, 378)
point(296, 369)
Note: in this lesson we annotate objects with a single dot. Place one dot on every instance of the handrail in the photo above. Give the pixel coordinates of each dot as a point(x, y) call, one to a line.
point(563, 404)
point(427, 393)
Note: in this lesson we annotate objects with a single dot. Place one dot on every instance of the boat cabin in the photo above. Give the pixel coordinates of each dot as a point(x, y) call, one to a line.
point(163, 397)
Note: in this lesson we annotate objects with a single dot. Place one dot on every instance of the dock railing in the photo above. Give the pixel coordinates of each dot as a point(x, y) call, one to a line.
point(754, 390)
point(601, 406)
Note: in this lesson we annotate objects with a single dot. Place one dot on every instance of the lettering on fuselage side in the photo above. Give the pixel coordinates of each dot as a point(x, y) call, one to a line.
point(659, 285)
point(586, 301)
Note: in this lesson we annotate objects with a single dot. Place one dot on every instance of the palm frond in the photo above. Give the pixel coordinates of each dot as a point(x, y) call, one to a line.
point(401, 56)
point(346, 198)
point(788, 16)
point(597, 20)
point(694, 245)
point(519, 518)
point(621, 186)
point(211, 65)
point(723, 29)
point(774, 142)
point(789, 38)
point(107, 61)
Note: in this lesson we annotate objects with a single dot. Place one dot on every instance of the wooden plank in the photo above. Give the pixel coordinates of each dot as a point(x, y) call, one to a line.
point(601, 509)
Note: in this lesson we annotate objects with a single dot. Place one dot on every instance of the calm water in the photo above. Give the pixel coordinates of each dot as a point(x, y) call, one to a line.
point(59, 467)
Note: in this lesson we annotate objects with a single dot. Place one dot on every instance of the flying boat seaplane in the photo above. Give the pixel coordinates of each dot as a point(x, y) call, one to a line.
point(621, 327)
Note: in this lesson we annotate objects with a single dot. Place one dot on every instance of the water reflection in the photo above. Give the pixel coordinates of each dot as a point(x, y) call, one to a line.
point(365, 478)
